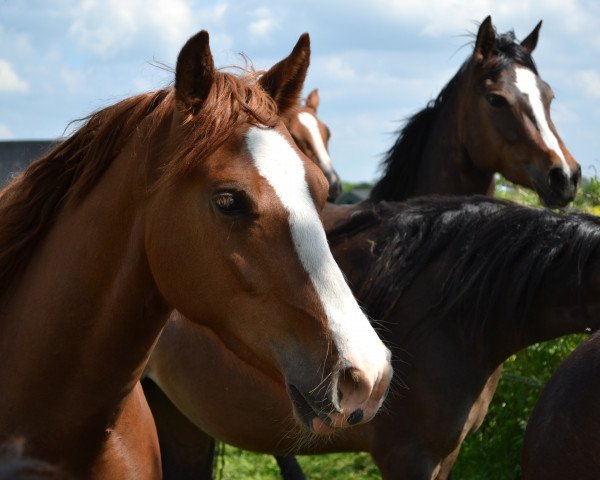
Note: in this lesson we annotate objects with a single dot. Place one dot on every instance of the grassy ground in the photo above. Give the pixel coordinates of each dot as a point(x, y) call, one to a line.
point(237, 464)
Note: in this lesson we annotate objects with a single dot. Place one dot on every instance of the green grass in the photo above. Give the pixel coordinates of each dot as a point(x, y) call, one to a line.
point(236, 464)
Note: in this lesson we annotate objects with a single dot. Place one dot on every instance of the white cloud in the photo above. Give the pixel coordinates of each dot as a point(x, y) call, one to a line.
point(9, 80)
point(442, 17)
point(264, 23)
point(590, 82)
point(5, 133)
point(106, 27)
point(337, 68)
point(73, 79)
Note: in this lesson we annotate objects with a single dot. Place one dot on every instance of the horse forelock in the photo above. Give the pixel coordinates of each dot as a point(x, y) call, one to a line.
point(507, 52)
point(232, 101)
point(496, 256)
point(29, 204)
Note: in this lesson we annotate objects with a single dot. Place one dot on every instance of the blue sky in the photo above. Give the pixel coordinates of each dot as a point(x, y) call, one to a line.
point(374, 62)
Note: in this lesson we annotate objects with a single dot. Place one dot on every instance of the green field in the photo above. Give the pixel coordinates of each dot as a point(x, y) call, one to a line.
point(493, 452)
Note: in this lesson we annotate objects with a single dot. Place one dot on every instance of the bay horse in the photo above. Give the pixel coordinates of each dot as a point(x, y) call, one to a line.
point(422, 449)
point(492, 117)
point(468, 282)
point(192, 197)
point(312, 137)
point(561, 438)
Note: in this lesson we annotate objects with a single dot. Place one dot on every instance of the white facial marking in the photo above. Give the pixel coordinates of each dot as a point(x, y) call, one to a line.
point(310, 122)
point(526, 82)
point(352, 333)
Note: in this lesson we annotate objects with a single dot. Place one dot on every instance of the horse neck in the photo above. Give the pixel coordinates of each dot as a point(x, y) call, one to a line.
point(446, 167)
point(87, 311)
point(559, 308)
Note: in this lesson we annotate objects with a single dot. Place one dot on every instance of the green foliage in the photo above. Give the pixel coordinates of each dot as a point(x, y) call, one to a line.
point(236, 464)
point(515, 193)
point(349, 186)
point(588, 196)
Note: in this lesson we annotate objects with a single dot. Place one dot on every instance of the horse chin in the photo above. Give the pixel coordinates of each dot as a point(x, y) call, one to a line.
point(321, 428)
point(555, 200)
point(305, 414)
point(549, 197)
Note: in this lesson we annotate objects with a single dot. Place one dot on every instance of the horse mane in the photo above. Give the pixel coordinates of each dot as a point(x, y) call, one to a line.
point(401, 162)
point(30, 203)
point(497, 254)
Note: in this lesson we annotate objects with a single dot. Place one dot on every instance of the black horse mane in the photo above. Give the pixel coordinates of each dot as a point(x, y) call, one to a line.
point(400, 164)
point(497, 254)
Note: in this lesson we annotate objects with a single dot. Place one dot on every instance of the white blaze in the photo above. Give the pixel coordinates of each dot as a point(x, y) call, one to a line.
point(526, 82)
point(352, 333)
point(310, 123)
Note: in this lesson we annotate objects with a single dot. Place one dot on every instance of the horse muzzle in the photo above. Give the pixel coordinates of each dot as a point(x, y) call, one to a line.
point(349, 397)
point(558, 188)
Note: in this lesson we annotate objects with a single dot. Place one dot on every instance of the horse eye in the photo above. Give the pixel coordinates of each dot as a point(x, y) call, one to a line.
point(496, 101)
point(231, 202)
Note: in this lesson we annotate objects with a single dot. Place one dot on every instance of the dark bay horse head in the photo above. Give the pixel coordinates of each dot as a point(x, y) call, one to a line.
point(506, 125)
point(312, 137)
point(192, 198)
point(492, 117)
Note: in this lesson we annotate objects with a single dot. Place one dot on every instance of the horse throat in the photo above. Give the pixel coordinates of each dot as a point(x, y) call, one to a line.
point(447, 166)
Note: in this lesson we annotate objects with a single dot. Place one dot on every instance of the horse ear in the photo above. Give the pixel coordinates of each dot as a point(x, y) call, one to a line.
point(284, 80)
point(531, 40)
point(486, 37)
point(194, 73)
point(313, 100)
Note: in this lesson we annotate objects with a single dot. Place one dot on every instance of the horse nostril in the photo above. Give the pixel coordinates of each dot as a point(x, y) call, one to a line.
point(557, 179)
point(356, 416)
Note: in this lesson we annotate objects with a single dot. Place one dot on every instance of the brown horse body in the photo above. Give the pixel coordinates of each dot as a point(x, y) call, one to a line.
point(173, 199)
point(562, 439)
point(451, 374)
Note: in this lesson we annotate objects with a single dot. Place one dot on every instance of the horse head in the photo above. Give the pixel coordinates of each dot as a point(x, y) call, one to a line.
point(238, 216)
point(312, 137)
point(506, 125)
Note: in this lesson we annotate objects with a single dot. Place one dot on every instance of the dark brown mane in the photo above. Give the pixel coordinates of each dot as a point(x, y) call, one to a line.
point(29, 204)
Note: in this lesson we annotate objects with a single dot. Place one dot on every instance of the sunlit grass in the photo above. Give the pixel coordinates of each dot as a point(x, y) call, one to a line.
point(236, 464)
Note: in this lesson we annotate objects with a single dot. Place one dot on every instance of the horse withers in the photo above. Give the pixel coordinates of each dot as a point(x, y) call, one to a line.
point(192, 197)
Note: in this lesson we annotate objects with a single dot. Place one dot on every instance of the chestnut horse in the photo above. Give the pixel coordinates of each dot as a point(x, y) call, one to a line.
point(195, 198)
point(562, 438)
point(312, 137)
point(416, 448)
point(492, 116)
